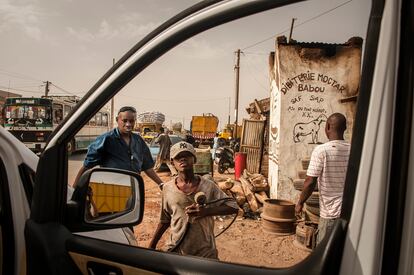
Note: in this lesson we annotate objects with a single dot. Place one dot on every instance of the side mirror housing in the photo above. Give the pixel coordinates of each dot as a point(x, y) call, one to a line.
point(106, 198)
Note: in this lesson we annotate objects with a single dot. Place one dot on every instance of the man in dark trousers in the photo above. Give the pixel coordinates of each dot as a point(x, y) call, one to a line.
point(327, 169)
point(164, 154)
point(121, 148)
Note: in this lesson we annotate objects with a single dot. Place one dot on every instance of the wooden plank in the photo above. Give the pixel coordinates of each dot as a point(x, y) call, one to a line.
point(252, 143)
point(251, 199)
point(238, 193)
point(226, 185)
point(261, 196)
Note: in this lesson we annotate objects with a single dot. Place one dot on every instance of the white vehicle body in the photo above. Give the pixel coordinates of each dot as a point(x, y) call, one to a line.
point(18, 154)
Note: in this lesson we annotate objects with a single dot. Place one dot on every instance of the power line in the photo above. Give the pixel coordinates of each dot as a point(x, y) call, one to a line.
point(304, 22)
point(21, 90)
point(253, 53)
point(23, 87)
point(18, 75)
point(175, 101)
point(63, 90)
point(249, 65)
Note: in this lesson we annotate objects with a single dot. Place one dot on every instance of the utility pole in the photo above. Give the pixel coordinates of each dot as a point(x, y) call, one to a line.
point(47, 88)
point(228, 120)
point(291, 29)
point(236, 98)
point(113, 102)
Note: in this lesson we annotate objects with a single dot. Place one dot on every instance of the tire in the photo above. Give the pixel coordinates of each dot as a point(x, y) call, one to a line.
point(221, 169)
point(70, 147)
point(305, 163)
point(298, 184)
point(312, 209)
point(313, 199)
point(302, 174)
point(311, 217)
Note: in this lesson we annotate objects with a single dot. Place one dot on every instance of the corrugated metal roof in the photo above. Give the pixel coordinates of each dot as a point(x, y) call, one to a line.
point(353, 41)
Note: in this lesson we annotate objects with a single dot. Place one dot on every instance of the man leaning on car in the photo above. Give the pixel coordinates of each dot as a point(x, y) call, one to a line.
point(121, 148)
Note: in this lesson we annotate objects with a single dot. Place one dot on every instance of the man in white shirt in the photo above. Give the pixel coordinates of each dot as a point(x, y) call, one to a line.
point(327, 168)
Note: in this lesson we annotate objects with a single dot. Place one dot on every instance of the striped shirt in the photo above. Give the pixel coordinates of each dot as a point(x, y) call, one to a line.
point(329, 163)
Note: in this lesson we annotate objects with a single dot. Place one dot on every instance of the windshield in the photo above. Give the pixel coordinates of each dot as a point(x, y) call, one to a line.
point(18, 113)
point(174, 140)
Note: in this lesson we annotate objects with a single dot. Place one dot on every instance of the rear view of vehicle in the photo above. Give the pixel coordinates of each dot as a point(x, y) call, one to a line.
point(224, 158)
point(204, 128)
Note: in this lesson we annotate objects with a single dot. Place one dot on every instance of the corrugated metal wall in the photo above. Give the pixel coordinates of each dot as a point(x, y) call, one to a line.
point(252, 143)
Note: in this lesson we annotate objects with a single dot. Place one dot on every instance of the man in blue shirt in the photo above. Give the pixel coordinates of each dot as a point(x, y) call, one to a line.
point(121, 148)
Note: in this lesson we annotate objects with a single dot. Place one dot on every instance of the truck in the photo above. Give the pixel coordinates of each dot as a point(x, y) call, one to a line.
point(228, 132)
point(149, 125)
point(204, 128)
point(148, 130)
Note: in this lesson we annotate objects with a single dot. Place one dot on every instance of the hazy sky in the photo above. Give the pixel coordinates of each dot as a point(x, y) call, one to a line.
point(72, 44)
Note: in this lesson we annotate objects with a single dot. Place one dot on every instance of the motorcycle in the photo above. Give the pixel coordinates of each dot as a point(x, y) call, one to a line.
point(224, 158)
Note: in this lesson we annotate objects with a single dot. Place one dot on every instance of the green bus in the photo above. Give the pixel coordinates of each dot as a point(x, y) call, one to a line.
point(32, 120)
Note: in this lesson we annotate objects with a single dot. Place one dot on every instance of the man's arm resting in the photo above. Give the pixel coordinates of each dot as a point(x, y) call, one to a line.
point(151, 173)
point(308, 187)
point(80, 173)
point(161, 228)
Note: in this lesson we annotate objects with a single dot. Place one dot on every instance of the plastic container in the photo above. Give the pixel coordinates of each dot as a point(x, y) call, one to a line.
point(239, 164)
point(204, 164)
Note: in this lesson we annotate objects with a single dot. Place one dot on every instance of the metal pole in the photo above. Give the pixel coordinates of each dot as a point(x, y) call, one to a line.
point(291, 29)
point(47, 88)
point(236, 98)
point(228, 120)
point(113, 103)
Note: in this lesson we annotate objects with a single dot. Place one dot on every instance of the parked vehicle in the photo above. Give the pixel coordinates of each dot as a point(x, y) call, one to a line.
point(155, 147)
point(224, 158)
point(32, 121)
point(149, 124)
point(374, 235)
point(204, 128)
point(149, 131)
point(229, 133)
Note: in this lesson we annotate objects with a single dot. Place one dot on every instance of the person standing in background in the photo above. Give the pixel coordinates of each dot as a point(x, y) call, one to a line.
point(327, 169)
point(164, 154)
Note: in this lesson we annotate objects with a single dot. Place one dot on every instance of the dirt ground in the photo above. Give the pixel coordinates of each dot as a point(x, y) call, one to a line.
point(244, 242)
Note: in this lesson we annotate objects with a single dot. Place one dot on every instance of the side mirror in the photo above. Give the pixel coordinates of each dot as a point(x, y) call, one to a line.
point(106, 198)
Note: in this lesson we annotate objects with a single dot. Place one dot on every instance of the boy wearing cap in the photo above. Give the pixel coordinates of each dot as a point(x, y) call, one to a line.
point(191, 225)
point(121, 148)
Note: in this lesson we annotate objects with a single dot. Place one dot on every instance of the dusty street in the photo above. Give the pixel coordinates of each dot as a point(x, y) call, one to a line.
point(244, 242)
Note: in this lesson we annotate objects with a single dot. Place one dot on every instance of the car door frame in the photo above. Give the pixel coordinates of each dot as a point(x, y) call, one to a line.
point(49, 198)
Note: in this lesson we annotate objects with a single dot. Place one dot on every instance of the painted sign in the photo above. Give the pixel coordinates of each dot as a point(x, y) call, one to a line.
point(305, 90)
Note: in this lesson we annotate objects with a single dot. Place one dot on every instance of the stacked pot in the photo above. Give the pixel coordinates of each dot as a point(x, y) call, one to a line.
point(312, 203)
point(278, 217)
